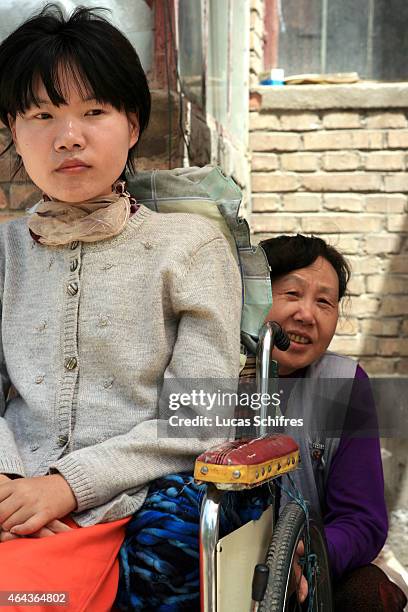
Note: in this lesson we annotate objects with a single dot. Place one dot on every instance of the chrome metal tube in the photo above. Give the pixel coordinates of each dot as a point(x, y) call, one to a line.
point(267, 380)
point(264, 366)
point(209, 524)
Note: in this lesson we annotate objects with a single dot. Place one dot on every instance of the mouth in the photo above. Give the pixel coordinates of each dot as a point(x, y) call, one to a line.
point(73, 170)
point(72, 166)
point(299, 338)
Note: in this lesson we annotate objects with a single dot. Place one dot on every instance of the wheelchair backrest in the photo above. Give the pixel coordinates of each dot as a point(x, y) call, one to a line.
point(207, 192)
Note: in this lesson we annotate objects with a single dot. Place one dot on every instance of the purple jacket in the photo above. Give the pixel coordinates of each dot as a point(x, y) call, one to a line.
point(356, 521)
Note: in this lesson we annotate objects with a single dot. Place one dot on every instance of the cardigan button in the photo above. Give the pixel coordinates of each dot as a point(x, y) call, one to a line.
point(73, 265)
point(72, 288)
point(62, 440)
point(108, 383)
point(70, 363)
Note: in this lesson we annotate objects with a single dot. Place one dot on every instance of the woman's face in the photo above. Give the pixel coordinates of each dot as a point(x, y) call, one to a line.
point(305, 304)
point(76, 151)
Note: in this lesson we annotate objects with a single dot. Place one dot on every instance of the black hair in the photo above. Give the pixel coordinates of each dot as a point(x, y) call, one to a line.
point(288, 253)
point(51, 47)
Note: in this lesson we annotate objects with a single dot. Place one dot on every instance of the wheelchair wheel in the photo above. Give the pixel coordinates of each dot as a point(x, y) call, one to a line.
point(280, 595)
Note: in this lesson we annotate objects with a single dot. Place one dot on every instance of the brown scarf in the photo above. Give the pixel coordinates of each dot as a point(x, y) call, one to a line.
point(58, 223)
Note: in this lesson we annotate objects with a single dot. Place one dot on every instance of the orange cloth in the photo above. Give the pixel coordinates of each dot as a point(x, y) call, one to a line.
point(82, 562)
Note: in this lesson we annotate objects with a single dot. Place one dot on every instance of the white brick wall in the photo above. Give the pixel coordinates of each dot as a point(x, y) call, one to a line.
point(341, 173)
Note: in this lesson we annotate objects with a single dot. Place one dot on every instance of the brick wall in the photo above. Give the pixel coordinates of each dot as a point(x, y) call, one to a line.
point(331, 160)
point(18, 195)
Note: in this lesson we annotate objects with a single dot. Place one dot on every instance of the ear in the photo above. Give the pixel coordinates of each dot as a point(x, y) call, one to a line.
point(134, 129)
point(12, 126)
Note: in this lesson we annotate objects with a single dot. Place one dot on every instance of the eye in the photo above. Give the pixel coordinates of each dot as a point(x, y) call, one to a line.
point(325, 302)
point(42, 116)
point(94, 112)
point(293, 293)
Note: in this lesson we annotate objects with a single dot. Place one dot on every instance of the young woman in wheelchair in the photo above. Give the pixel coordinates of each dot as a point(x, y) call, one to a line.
point(309, 280)
point(101, 299)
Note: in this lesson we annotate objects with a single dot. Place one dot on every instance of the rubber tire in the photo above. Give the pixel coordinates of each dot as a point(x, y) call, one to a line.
point(288, 532)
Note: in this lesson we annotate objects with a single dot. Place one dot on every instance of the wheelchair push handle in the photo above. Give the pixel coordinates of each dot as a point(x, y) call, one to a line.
point(281, 339)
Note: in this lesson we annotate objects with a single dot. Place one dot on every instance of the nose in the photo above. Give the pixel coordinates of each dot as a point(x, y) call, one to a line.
point(69, 136)
point(305, 312)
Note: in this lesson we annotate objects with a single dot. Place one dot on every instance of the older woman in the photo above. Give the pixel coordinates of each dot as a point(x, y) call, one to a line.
point(345, 484)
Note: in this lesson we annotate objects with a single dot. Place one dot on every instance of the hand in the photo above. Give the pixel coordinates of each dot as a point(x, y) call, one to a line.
point(29, 504)
point(5, 535)
point(49, 530)
point(3, 479)
point(300, 582)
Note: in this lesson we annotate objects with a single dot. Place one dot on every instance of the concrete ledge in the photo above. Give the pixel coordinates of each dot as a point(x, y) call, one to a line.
point(312, 97)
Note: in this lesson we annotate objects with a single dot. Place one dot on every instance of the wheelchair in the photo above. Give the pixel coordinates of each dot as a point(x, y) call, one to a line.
point(252, 567)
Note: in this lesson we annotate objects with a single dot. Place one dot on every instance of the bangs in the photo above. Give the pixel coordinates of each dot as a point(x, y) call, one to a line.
point(55, 67)
point(56, 81)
